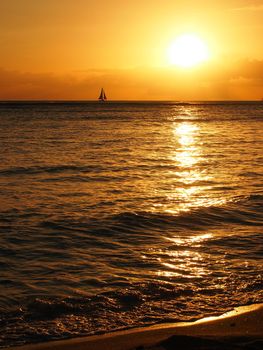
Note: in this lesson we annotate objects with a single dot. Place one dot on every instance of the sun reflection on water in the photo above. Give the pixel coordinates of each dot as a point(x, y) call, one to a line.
point(186, 131)
point(187, 262)
point(187, 156)
point(188, 152)
point(192, 190)
point(188, 185)
point(190, 240)
point(196, 183)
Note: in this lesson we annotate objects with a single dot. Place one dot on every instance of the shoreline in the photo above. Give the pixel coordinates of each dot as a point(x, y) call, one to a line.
point(243, 323)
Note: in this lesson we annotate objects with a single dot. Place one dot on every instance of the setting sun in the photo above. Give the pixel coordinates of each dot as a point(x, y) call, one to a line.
point(187, 50)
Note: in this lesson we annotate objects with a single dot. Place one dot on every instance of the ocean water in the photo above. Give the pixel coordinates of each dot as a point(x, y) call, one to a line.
point(123, 214)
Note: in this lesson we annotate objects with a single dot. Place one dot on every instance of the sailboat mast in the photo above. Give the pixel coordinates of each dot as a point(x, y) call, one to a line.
point(102, 96)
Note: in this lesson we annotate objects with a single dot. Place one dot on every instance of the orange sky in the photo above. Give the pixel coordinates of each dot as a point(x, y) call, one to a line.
point(64, 49)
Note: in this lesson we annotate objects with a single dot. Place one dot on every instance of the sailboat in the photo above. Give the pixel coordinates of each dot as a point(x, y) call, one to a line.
point(102, 96)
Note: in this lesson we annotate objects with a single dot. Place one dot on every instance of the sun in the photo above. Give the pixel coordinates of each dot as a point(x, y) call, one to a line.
point(188, 50)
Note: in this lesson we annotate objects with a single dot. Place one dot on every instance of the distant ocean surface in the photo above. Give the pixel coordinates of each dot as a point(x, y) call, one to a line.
point(124, 214)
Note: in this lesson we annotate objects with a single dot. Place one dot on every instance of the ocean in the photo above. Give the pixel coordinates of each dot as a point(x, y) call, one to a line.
point(123, 214)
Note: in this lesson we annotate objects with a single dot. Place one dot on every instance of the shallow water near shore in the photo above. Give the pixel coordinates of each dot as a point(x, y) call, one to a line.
point(123, 214)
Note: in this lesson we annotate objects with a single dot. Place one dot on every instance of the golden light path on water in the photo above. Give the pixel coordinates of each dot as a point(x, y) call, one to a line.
point(195, 192)
point(185, 262)
point(187, 156)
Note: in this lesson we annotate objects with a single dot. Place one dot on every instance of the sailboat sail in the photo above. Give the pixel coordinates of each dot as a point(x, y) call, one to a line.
point(102, 96)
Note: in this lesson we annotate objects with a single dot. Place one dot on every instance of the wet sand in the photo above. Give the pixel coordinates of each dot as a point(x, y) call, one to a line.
point(241, 328)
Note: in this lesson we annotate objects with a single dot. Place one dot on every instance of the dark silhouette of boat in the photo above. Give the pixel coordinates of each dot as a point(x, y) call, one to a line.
point(102, 96)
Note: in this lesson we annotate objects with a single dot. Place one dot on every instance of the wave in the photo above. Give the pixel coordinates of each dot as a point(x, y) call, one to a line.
point(72, 309)
point(50, 169)
point(76, 169)
point(244, 211)
point(140, 304)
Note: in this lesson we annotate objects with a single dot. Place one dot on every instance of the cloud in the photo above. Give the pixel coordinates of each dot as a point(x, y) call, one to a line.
point(78, 85)
point(249, 6)
point(240, 80)
point(251, 69)
point(230, 80)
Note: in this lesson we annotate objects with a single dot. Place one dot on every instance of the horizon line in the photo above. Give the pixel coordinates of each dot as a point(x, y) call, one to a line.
point(128, 100)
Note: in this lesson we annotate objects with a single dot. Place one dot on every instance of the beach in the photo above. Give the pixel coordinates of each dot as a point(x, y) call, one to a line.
point(241, 328)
